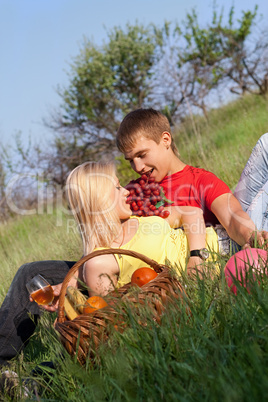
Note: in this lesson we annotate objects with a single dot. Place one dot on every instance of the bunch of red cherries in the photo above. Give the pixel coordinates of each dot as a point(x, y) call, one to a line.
point(146, 197)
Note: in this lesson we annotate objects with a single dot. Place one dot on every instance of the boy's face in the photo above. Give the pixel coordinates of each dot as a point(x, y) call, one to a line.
point(148, 157)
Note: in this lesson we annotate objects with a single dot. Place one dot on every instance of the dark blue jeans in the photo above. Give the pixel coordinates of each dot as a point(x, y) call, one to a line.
point(16, 326)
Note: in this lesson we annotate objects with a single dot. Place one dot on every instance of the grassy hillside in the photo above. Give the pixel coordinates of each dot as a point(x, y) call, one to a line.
point(224, 143)
point(219, 352)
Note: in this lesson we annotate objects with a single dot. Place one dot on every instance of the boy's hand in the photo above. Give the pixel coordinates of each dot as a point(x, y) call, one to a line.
point(260, 237)
point(257, 239)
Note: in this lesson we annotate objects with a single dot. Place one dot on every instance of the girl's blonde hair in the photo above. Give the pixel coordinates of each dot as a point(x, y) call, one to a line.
point(89, 189)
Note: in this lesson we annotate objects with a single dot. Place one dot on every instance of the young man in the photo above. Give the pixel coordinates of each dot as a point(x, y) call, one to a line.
point(145, 138)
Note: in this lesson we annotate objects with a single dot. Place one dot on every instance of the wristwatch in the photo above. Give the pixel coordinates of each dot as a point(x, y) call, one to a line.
point(202, 253)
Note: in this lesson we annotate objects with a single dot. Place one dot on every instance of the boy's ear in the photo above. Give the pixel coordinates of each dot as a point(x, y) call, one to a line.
point(166, 139)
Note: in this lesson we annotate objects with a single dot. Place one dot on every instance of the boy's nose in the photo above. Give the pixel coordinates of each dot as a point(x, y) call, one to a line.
point(138, 166)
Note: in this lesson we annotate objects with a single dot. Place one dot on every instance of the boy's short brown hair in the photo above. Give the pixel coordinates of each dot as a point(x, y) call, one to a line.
point(148, 123)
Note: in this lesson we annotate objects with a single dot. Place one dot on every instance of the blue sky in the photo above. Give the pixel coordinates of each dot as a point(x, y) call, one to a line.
point(38, 39)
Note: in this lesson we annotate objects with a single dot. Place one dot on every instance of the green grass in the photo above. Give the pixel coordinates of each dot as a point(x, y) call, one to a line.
point(219, 353)
point(34, 238)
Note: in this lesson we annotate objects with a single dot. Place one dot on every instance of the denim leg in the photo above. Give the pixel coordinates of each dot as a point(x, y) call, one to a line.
point(258, 209)
point(250, 190)
point(15, 324)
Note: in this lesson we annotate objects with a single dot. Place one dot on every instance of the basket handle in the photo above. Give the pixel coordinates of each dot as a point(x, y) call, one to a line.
point(153, 264)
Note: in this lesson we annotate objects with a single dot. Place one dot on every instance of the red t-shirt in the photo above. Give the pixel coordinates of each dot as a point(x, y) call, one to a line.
point(194, 187)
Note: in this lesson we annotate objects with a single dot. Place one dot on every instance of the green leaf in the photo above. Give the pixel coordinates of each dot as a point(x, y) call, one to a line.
point(160, 203)
point(164, 198)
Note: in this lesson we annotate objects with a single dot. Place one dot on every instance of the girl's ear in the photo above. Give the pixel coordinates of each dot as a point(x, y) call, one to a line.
point(166, 139)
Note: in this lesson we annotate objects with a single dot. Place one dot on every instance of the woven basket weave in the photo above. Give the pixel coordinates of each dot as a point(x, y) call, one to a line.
point(82, 336)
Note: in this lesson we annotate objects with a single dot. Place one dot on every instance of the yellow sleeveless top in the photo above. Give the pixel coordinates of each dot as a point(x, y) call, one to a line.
point(158, 241)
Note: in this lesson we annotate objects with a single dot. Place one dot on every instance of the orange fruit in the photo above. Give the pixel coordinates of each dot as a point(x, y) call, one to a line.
point(94, 303)
point(142, 276)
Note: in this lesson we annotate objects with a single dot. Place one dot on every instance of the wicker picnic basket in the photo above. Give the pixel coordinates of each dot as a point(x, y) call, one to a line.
point(82, 335)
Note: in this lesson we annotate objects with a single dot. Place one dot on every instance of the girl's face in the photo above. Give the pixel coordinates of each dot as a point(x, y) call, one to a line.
point(119, 196)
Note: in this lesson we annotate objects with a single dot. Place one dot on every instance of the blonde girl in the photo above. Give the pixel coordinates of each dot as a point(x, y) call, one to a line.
point(100, 207)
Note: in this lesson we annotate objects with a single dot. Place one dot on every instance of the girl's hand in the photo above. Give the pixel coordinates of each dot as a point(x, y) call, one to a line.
point(194, 266)
point(54, 305)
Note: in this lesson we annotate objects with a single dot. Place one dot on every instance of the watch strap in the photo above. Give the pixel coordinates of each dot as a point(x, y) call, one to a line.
point(195, 253)
point(203, 253)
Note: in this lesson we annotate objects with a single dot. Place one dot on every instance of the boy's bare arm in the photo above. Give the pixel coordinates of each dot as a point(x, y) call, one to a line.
point(237, 223)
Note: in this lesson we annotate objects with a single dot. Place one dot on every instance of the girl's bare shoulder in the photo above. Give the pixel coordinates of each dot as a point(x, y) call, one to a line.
point(103, 263)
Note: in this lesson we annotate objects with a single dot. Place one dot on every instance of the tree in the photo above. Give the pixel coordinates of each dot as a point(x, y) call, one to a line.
point(3, 206)
point(208, 58)
point(105, 83)
point(244, 58)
